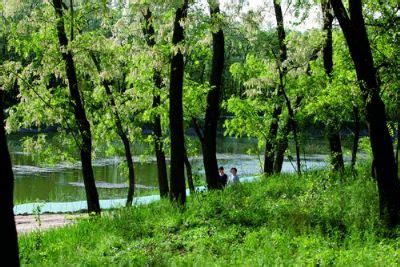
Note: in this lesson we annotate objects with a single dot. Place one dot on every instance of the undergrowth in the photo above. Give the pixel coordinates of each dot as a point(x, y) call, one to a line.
point(315, 219)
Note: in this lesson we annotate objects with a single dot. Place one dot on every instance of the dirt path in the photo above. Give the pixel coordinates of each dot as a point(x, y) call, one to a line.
point(29, 223)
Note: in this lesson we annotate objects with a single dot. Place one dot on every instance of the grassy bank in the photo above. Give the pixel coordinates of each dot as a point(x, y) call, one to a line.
point(283, 220)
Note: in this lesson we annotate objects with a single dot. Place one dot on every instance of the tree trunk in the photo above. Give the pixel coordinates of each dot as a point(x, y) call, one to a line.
point(158, 142)
point(268, 162)
point(282, 146)
point(177, 177)
point(356, 137)
point(80, 114)
point(189, 173)
point(398, 143)
point(270, 145)
point(335, 146)
point(335, 143)
point(269, 152)
point(121, 133)
point(209, 144)
point(131, 170)
point(382, 148)
point(149, 34)
point(293, 128)
point(9, 252)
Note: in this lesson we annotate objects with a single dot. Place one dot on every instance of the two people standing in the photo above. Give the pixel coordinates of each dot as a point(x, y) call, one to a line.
point(223, 179)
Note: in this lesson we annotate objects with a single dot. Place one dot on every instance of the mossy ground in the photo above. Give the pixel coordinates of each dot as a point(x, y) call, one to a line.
point(315, 219)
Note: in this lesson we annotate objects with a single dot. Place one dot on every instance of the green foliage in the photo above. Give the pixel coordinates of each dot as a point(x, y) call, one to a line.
point(365, 146)
point(247, 121)
point(313, 220)
point(282, 220)
point(330, 100)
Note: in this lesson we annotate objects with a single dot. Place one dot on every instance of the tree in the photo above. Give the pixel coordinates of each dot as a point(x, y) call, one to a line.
point(354, 29)
point(121, 132)
point(282, 69)
point(209, 138)
point(335, 143)
point(9, 251)
point(79, 112)
point(149, 33)
point(177, 177)
point(273, 129)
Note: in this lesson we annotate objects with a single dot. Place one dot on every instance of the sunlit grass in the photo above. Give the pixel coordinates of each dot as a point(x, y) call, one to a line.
point(284, 220)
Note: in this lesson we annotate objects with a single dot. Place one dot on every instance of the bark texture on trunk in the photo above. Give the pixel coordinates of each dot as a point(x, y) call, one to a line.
point(354, 30)
point(209, 143)
point(282, 146)
point(177, 177)
point(335, 146)
point(9, 252)
point(269, 152)
point(121, 133)
point(149, 34)
point(79, 112)
point(335, 143)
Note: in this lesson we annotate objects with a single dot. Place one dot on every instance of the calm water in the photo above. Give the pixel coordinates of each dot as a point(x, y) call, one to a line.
point(63, 182)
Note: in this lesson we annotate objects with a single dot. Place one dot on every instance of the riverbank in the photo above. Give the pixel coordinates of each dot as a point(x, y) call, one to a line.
point(29, 223)
point(316, 219)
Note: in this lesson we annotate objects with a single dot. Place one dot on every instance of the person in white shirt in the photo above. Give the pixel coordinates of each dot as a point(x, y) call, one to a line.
point(234, 179)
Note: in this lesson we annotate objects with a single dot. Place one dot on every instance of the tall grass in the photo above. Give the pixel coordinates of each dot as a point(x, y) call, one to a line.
point(315, 219)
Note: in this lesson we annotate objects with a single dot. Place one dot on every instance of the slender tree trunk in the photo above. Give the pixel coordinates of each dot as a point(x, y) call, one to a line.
point(335, 143)
point(281, 88)
point(177, 177)
point(121, 133)
point(296, 143)
point(149, 34)
point(209, 144)
point(270, 145)
point(398, 143)
point(189, 173)
point(354, 30)
point(131, 170)
point(293, 128)
point(80, 114)
point(335, 146)
point(71, 9)
point(282, 146)
point(9, 252)
point(269, 152)
point(356, 137)
point(158, 142)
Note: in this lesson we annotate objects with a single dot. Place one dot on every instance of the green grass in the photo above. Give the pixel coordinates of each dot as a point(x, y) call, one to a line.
point(316, 219)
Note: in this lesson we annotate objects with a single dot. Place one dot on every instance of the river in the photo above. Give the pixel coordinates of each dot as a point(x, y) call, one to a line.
point(62, 182)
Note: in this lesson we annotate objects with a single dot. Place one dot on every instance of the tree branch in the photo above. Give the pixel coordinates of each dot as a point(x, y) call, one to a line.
point(341, 14)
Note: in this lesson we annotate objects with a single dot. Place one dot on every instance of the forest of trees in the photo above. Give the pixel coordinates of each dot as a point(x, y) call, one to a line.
point(100, 71)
